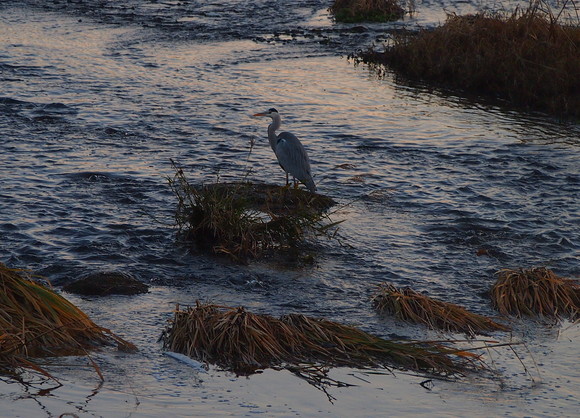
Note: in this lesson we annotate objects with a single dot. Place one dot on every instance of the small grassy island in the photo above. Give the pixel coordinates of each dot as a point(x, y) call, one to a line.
point(245, 220)
point(530, 57)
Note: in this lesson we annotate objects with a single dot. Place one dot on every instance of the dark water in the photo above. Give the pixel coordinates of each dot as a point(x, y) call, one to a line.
point(97, 97)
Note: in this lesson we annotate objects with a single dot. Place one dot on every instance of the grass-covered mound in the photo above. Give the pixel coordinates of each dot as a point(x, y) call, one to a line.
point(37, 322)
point(246, 220)
point(244, 342)
point(536, 291)
point(412, 306)
point(530, 57)
point(352, 11)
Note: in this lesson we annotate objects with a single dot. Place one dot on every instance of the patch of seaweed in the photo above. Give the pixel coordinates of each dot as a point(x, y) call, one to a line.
point(536, 291)
point(412, 306)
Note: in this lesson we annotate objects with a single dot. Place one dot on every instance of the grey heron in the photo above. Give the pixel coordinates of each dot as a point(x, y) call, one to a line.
point(290, 152)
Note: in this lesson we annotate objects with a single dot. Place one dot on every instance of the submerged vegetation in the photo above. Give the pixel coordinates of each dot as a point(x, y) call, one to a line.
point(37, 322)
point(245, 220)
point(530, 57)
point(351, 11)
point(412, 306)
point(536, 291)
point(243, 342)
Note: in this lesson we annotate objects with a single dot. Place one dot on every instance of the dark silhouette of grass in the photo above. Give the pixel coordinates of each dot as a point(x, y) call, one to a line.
point(353, 11)
point(530, 57)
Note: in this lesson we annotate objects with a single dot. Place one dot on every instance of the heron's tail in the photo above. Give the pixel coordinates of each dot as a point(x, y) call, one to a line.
point(309, 183)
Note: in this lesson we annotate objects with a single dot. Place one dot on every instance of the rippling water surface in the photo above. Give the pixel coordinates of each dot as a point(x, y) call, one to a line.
point(97, 97)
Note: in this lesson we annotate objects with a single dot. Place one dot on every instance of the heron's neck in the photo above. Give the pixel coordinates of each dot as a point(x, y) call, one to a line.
point(272, 128)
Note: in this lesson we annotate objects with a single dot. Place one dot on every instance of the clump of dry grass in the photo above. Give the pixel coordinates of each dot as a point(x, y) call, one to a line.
point(412, 306)
point(536, 291)
point(36, 322)
point(350, 11)
point(243, 342)
point(244, 220)
point(529, 57)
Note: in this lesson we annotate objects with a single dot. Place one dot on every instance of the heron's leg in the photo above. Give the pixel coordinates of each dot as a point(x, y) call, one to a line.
point(295, 182)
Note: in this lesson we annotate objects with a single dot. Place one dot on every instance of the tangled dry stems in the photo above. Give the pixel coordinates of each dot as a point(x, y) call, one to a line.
point(243, 342)
point(350, 11)
point(412, 306)
point(536, 291)
point(528, 57)
point(245, 220)
point(36, 322)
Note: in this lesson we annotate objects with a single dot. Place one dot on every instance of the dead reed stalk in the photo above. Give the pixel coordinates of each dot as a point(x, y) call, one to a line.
point(412, 306)
point(536, 291)
point(238, 340)
point(36, 322)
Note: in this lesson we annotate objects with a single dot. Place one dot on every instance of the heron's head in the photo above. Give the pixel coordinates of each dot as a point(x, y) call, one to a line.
point(271, 112)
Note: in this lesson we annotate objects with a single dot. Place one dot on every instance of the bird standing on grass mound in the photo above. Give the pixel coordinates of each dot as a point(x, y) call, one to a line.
point(290, 152)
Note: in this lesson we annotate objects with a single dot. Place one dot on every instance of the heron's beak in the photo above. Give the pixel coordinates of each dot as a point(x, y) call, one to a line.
point(260, 114)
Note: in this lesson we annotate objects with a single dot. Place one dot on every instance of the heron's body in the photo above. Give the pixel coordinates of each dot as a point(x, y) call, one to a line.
point(290, 152)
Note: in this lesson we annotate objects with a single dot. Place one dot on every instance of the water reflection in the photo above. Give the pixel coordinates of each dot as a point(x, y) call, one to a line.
point(427, 179)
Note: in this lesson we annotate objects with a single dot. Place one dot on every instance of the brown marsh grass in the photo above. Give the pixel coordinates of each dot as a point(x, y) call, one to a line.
point(245, 220)
point(412, 306)
point(536, 291)
point(530, 57)
point(241, 341)
point(351, 11)
point(37, 322)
